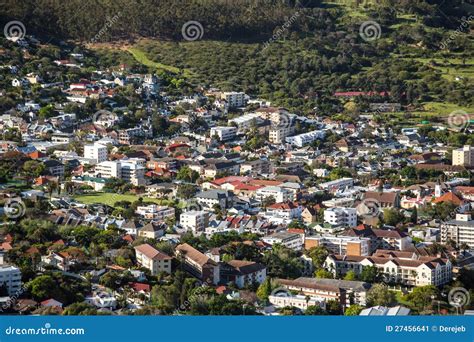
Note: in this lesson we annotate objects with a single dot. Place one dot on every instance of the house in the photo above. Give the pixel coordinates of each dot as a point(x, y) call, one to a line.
point(210, 198)
point(51, 303)
point(153, 259)
point(54, 168)
point(383, 199)
point(152, 230)
point(283, 212)
point(242, 273)
point(198, 264)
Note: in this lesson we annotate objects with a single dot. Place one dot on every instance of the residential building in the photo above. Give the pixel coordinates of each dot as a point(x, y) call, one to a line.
point(305, 138)
point(403, 268)
point(152, 259)
point(464, 156)
point(298, 301)
point(347, 292)
point(340, 244)
point(194, 220)
point(198, 264)
point(234, 99)
point(224, 133)
point(338, 184)
point(278, 134)
point(242, 273)
point(10, 277)
point(384, 311)
point(210, 198)
point(341, 216)
point(54, 168)
point(152, 230)
point(283, 212)
point(278, 193)
point(460, 230)
point(290, 240)
point(155, 212)
point(96, 152)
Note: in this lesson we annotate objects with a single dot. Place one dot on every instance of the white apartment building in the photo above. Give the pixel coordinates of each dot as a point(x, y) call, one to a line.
point(460, 230)
point(464, 156)
point(280, 194)
point(235, 99)
point(337, 184)
point(194, 220)
point(305, 138)
point(289, 240)
point(244, 122)
point(96, 152)
point(278, 134)
point(108, 169)
point(223, 132)
point(131, 170)
point(341, 245)
point(339, 216)
point(155, 212)
point(10, 276)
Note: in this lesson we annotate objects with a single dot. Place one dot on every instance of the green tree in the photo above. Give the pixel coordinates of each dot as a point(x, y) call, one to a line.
point(369, 274)
point(351, 275)
point(353, 310)
point(318, 255)
point(42, 287)
point(322, 273)
point(379, 294)
point(421, 297)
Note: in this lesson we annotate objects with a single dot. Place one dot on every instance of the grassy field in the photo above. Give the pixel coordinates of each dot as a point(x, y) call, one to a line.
point(111, 198)
point(143, 59)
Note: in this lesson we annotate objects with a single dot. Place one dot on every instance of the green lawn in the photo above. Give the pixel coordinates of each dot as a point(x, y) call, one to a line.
point(111, 198)
point(140, 56)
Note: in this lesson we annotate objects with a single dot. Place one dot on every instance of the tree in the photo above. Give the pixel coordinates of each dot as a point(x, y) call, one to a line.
point(186, 174)
point(351, 275)
point(314, 310)
point(322, 273)
point(392, 217)
point(318, 255)
point(42, 287)
point(80, 309)
point(369, 274)
point(353, 310)
point(264, 290)
point(422, 296)
point(379, 294)
point(414, 216)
